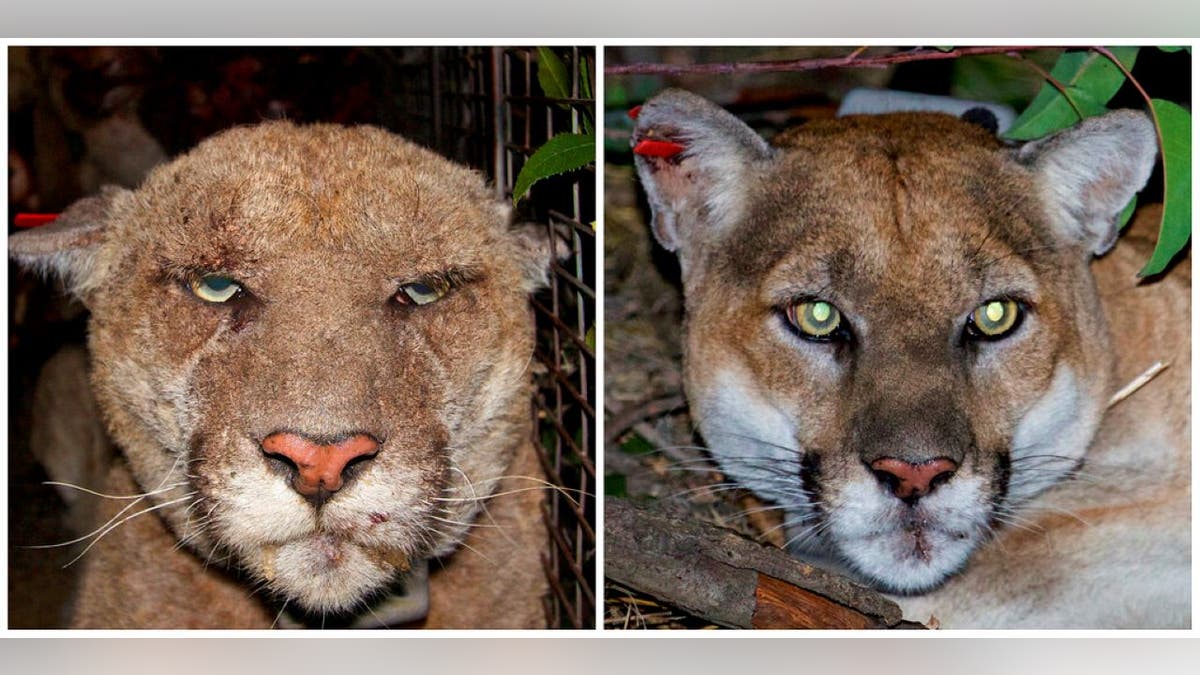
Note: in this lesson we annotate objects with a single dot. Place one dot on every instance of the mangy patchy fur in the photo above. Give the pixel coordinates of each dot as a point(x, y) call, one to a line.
point(1061, 512)
point(321, 225)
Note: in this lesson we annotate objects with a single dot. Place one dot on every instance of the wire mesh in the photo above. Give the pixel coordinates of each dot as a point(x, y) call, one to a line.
point(483, 106)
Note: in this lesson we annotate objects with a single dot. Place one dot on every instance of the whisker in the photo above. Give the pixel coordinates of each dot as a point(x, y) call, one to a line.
point(122, 521)
point(108, 496)
point(279, 615)
point(449, 521)
point(564, 491)
point(760, 441)
point(378, 618)
point(469, 548)
point(807, 533)
point(89, 534)
point(715, 487)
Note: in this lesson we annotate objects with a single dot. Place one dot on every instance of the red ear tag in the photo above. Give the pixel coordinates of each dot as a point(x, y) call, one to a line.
point(634, 112)
point(657, 148)
point(27, 220)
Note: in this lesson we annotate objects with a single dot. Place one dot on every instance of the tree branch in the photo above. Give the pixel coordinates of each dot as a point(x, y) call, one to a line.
point(852, 60)
point(720, 576)
point(1062, 89)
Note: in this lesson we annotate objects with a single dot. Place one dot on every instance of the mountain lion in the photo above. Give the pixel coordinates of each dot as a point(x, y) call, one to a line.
point(896, 332)
point(311, 345)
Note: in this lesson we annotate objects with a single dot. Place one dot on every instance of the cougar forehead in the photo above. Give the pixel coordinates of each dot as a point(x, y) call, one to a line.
point(861, 189)
point(257, 191)
point(321, 227)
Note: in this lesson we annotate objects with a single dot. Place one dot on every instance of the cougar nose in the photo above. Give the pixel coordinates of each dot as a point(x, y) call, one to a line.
point(909, 481)
point(320, 464)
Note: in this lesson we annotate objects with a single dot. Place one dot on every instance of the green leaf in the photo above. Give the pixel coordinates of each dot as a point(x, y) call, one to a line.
point(1172, 50)
point(1175, 125)
point(560, 154)
point(585, 87)
point(1127, 213)
point(552, 74)
point(585, 77)
point(636, 445)
point(614, 485)
point(549, 440)
point(1089, 79)
point(589, 338)
point(1000, 78)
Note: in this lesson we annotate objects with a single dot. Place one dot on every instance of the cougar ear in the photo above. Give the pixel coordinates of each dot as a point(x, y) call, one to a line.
point(693, 158)
point(1088, 173)
point(539, 246)
point(68, 246)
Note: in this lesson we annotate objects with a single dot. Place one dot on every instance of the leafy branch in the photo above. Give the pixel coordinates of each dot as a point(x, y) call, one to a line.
point(1080, 85)
point(1173, 124)
point(563, 152)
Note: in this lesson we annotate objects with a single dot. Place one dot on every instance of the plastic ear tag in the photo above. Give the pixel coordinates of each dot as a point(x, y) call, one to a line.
point(650, 148)
point(28, 220)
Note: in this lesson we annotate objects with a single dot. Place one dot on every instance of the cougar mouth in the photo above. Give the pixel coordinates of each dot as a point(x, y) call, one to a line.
point(909, 548)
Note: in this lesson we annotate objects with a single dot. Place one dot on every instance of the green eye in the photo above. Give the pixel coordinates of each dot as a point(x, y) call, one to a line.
point(419, 294)
point(215, 288)
point(815, 318)
point(995, 318)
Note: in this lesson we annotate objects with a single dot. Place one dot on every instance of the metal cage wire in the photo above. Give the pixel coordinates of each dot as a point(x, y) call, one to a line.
point(483, 106)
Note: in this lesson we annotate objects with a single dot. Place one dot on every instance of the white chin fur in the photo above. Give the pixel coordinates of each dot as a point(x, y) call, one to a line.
point(908, 549)
point(323, 573)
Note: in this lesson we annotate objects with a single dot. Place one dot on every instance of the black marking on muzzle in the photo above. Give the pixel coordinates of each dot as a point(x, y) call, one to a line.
point(810, 473)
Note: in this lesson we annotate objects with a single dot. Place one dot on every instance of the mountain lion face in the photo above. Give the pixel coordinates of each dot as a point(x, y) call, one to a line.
point(311, 344)
point(892, 330)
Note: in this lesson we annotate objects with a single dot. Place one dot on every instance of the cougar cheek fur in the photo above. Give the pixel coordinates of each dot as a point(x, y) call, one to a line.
point(311, 346)
point(906, 335)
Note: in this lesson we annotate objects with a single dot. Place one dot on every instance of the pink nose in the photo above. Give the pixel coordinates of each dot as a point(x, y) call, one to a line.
point(910, 481)
point(319, 466)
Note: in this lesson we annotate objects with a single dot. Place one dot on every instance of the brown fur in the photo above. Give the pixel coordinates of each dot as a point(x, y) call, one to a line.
point(1126, 520)
point(321, 226)
point(907, 223)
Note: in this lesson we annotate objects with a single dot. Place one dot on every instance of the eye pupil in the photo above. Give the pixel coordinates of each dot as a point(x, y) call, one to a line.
point(821, 311)
point(994, 312)
point(217, 284)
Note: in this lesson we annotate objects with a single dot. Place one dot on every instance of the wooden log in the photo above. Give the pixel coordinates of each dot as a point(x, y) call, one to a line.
point(723, 577)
